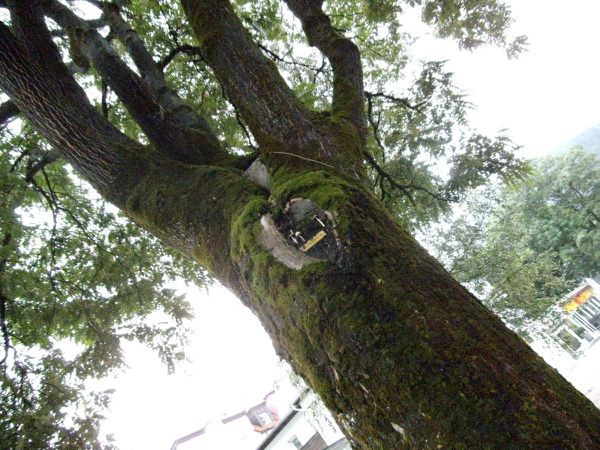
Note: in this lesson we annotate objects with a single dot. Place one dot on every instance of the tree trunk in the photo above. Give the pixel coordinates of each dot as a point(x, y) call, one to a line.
point(402, 355)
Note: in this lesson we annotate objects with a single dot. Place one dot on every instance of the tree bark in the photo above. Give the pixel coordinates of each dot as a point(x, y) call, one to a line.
point(402, 354)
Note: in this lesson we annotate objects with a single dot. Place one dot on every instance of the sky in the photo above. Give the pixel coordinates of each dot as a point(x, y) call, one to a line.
point(544, 98)
point(549, 94)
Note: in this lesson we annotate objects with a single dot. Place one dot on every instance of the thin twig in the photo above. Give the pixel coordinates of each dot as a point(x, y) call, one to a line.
point(302, 157)
point(187, 49)
point(398, 100)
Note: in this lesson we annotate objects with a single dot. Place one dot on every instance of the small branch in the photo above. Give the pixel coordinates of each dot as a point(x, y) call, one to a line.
point(240, 122)
point(399, 101)
point(274, 56)
point(104, 100)
point(187, 49)
point(382, 176)
point(4, 327)
point(374, 126)
point(3, 302)
point(304, 158)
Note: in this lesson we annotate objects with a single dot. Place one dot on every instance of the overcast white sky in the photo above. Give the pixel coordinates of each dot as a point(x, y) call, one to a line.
point(549, 94)
point(544, 98)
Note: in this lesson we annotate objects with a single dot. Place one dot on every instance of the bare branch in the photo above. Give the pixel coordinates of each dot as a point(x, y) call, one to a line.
point(406, 189)
point(344, 57)
point(397, 100)
point(187, 49)
point(279, 58)
point(4, 301)
point(374, 126)
point(4, 325)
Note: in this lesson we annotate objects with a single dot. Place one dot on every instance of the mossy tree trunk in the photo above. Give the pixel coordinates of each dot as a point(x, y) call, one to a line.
point(402, 355)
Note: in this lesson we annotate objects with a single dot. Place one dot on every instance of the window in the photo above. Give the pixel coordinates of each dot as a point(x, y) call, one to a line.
point(295, 442)
point(264, 418)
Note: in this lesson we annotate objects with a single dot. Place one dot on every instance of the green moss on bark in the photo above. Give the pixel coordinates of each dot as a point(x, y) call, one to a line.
point(391, 343)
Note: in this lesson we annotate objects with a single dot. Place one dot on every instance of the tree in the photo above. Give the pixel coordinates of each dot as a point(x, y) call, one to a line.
point(400, 353)
point(71, 270)
point(522, 247)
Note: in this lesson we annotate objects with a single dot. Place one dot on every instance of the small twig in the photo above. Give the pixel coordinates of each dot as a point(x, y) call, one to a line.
point(400, 101)
point(304, 158)
point(374, 125)
point(187, 49)
point(276, 57)
point(244, 129)
point(3, 303)
point(405, 188)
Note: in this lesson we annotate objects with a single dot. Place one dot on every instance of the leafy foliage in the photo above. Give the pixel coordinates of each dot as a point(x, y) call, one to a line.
point(76, 276)
point(422, 154)
point(76, 279)
point(522, 248)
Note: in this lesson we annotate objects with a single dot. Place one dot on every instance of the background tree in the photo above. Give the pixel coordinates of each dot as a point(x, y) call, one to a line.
point(522, 247)
point(263, 178)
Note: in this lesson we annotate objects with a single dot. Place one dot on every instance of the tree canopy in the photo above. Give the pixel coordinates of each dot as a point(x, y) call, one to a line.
point(167, 131)
point(523, 247)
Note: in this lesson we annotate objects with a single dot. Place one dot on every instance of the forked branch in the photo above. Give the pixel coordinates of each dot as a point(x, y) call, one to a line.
point(174, 128)
point(344, 57)
point(43, 89)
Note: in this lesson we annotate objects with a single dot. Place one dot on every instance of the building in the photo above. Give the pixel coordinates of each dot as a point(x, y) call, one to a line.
point(295, 432)
point(245, 429)
point(582, 322)
point(260, 427)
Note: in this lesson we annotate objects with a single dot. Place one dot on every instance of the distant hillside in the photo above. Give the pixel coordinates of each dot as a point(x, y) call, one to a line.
point(589, 140)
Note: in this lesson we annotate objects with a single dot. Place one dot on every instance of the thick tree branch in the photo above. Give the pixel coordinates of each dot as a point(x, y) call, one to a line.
point(344, 57)
point(8, 110)
point(172, 126)
point(253, 84)
point(151, 71)
point(44, 90)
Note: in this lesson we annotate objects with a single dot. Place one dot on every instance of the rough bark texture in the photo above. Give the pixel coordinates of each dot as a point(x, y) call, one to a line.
point(402, 355)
